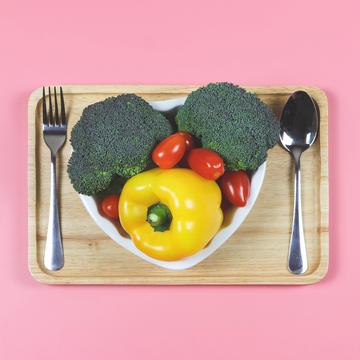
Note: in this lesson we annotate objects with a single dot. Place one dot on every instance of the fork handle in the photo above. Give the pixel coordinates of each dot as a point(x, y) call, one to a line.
point(298, 263)
point(54, 254)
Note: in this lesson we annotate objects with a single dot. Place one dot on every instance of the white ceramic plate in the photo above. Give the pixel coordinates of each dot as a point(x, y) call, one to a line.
point(232, 220)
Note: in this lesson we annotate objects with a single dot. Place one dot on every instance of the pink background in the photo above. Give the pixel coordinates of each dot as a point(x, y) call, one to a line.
point(121, 42)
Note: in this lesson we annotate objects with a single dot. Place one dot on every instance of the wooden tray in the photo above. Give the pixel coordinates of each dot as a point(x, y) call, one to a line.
point(255, 254)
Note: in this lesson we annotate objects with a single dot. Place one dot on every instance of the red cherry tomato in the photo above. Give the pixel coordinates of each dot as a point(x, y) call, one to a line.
point(206, 163)
point(169, 151)
point(189, 140)
point(109, 206)
point(235, 186)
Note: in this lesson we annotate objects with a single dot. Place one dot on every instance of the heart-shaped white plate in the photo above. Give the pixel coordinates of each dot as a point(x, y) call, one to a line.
point(233, 217)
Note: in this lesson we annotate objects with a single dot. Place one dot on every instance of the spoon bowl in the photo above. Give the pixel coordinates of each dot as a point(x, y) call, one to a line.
point(299, 122)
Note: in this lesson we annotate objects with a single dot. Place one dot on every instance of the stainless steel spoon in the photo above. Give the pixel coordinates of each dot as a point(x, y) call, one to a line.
point(299, 127)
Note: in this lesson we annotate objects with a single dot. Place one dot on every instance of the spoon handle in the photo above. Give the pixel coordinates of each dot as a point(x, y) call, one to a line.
point(298, 263)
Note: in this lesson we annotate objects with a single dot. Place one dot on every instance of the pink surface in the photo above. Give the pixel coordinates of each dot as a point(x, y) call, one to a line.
point(120, 42)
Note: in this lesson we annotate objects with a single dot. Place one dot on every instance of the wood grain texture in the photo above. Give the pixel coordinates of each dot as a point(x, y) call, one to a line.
point(255, 254)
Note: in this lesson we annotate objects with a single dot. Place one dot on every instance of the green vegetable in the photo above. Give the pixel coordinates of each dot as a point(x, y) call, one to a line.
point(114, 137)
point(232, 122)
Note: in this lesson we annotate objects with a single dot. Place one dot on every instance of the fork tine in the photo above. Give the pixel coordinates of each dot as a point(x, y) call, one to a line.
point(51, 118)
point(62, 105)
point(57, 120)
point(45, 118)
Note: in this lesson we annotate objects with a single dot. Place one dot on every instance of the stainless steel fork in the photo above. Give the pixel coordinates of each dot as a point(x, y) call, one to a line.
point(54, 132)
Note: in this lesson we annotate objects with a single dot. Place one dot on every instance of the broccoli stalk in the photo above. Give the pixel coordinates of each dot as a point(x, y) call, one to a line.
point(231, 121)
point(114, 137)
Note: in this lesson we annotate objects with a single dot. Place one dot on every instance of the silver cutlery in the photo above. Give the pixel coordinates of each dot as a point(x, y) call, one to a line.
point(54, 132)
point(299, 127)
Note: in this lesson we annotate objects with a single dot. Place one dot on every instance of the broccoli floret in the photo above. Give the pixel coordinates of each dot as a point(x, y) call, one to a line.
point(231, 121)
point(114, 137)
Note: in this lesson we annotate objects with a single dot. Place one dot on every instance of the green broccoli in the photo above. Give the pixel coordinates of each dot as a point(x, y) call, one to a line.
point(114, 137)
point(231, 121)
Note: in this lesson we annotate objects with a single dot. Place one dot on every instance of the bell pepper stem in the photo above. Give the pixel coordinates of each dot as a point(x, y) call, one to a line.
point(159, 217)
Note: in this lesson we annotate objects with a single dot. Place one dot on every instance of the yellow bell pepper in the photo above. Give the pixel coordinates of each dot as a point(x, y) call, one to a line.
point(170, 214)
